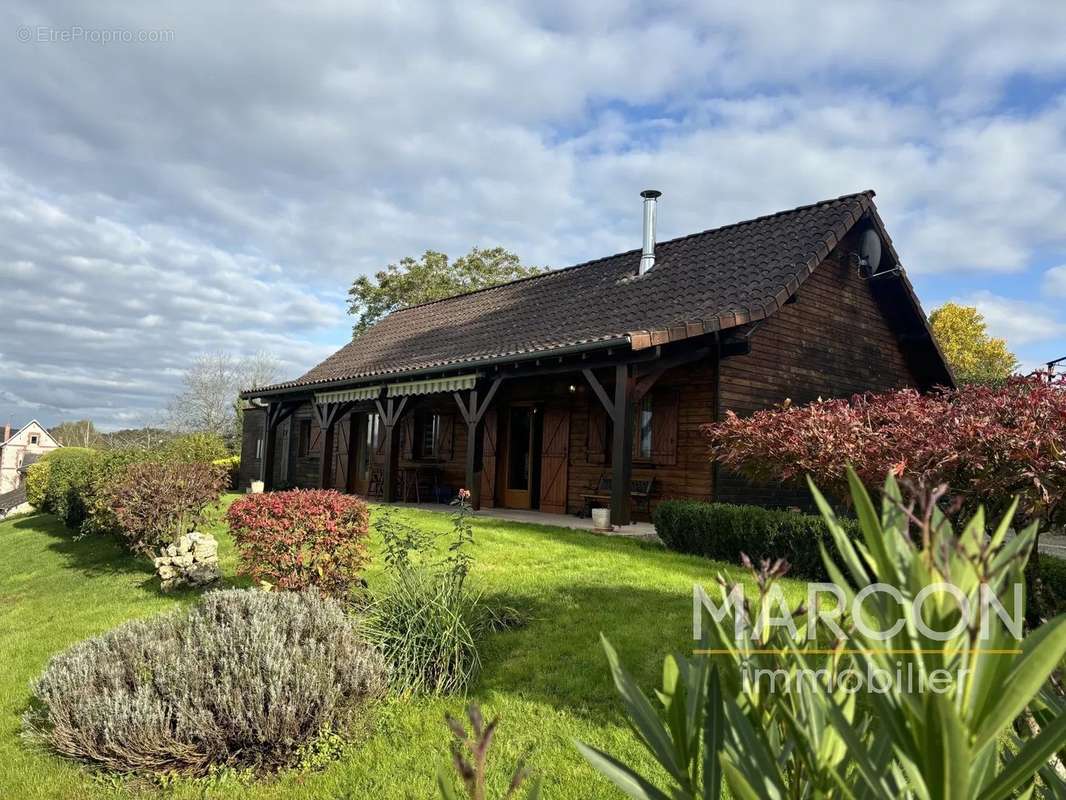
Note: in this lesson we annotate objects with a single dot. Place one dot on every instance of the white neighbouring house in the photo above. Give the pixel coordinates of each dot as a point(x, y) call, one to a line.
point(19, 450)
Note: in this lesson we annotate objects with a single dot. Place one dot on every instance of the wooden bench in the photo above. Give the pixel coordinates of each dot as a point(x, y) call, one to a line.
point(640, 492)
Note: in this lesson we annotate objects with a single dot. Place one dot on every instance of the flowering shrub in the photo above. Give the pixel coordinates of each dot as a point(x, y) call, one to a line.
point(988, 443)
point(297, 539)
point(155, 503)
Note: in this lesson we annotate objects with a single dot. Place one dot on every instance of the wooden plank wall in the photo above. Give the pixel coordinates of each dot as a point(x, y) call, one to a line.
point(690, 477)
point(832, 342)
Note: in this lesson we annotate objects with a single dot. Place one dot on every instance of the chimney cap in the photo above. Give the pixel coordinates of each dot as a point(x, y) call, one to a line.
point(651, 194)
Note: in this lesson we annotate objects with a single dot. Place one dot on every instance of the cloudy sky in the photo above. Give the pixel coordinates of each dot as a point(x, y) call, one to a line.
point(215, 179)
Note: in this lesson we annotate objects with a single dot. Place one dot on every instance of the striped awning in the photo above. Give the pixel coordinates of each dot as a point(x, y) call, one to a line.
point(348, 395)
point(452, 384)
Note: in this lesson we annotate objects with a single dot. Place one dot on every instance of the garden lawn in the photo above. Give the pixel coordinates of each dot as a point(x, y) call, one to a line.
point(548, 681)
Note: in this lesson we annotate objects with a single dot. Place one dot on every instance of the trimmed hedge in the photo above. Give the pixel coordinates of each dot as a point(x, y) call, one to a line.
point(70, 473)
point(723, 531)
point(1053, 575)
point(37, 477)
point(233, 469)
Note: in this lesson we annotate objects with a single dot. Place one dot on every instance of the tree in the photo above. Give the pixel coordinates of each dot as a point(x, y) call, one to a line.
point(974, 356)
point(209, 402)
point(431, 277)
point(78, 433)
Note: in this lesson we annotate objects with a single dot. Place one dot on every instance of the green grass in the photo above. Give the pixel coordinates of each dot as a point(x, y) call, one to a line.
point(548, 681)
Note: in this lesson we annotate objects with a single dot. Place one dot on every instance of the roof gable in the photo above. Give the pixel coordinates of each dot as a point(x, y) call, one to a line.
point(33, 426)
point(701, 283)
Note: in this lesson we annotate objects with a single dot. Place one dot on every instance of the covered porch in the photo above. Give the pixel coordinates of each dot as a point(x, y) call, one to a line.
point(553, 437)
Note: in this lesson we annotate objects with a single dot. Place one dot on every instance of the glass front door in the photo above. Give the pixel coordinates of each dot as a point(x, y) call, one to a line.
point(519, 475)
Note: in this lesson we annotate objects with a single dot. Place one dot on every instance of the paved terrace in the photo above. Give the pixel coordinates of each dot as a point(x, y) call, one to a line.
point(636, 530)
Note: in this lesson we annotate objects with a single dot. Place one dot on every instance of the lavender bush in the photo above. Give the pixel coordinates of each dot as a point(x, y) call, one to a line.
point(243, 679)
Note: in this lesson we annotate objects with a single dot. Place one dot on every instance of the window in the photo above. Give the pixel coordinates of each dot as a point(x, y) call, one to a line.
point(373, 428)
point(34, 438)
point(644, 428)
point(303, 446)
point(427, 426)
point(258, 448)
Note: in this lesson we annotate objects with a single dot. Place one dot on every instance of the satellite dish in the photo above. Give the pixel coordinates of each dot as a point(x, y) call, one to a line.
point(869, 252)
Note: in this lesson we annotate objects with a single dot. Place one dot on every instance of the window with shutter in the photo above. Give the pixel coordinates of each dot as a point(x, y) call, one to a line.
point(664, 426)
point(304, 442)
point(642, 444)
point(596, 438)
point(407, 438)
point(445, 437)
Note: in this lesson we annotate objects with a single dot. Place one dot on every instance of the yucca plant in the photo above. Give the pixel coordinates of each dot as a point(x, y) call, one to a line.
point(992, 729)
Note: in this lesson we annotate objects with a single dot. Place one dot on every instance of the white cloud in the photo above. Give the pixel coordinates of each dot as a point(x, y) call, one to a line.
point(224, 188)
point(1018, 321)
point(1055, 281)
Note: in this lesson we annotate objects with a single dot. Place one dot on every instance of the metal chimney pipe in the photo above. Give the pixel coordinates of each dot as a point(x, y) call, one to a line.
point(647, 255)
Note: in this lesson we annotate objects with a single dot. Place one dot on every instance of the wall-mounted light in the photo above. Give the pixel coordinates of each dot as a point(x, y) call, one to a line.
point(572, 388)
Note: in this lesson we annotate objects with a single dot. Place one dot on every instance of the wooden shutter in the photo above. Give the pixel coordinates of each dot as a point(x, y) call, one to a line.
point(379, 438)
point(407, 437)
point(596, 437)
point(664, 419)
point(488, 459)
point(342, 439)
point(554, 460)
point(445, 437)
point(316, 436)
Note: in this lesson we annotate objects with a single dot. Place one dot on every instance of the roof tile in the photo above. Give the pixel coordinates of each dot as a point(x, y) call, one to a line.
point(716, 279)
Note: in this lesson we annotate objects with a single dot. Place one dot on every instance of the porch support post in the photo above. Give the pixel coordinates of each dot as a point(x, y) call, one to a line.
point(276, 413)
point(472, 413)
point(390, 413)
point(266, 463)
point(622, 446)
point(620, 410)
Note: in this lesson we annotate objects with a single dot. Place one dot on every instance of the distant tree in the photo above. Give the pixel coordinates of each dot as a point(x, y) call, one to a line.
point(77, 433)
point(974, 356)
point(209, 402)
point(430, 277)
point(149, 437)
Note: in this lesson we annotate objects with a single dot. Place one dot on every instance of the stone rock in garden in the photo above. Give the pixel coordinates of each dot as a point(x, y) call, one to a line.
point(191, 561)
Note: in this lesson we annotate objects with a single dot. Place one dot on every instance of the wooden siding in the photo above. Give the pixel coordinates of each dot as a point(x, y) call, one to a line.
point(688, 477)
point(833, 341)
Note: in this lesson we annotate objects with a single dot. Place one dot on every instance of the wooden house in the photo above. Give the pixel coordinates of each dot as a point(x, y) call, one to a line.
point(592, 381)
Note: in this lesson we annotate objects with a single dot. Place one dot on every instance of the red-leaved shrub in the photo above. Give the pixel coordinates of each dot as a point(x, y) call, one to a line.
point(987, 443)
point(302, 538)
point(154, 503)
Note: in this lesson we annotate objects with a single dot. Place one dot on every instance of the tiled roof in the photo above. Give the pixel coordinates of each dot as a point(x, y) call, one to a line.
point(12, 499)
point(703, 282)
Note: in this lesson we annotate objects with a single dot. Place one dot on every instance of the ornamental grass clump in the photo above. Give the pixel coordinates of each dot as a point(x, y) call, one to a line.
point(426, 620)
point(244, 679)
